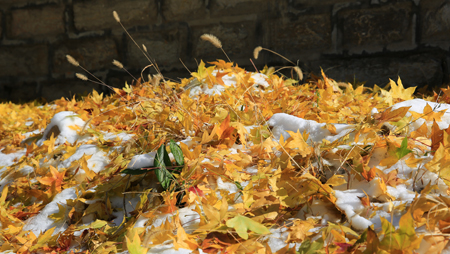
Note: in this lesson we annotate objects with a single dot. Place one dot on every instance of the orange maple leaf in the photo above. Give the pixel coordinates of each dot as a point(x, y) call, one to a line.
point(370, 174)
point(219, 76)
point(225, 129)
point(55, 181)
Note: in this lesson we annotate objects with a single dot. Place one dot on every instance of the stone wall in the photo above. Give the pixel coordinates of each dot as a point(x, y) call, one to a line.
point(364, 40)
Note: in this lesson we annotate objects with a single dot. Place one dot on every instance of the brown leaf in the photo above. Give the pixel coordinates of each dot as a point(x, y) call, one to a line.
point(391, 116)
point(437, 136)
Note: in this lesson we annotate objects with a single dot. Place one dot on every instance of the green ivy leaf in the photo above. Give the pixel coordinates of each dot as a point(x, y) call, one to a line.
point(161, 161)
point(177, 153)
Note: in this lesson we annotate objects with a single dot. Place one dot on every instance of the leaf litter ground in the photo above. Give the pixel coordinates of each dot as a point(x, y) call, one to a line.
point(228, 161)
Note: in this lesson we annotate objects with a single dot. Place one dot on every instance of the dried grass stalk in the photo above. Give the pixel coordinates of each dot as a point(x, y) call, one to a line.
point(72, 60)
point(81, 76)
point(144, 47)
point(118, 64)
point(212, 39)
point(256, 52)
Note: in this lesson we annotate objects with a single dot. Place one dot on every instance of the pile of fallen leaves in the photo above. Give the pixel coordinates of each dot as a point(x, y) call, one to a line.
point(230, 144)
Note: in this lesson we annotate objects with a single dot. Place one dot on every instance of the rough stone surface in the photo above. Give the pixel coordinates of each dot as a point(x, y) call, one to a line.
point(37, 21)
point(371, 39)
point(374, 29)
point(97, 14)
point(415, 70)
point(241, 7)
point(166, 46)
point(182, 10)
point(24, 61)
point(238, 41)
point(66, 88)
point(322, 2)
point(118, 79)
point(436, 22)
point(303, 34)
point(20, 3)
point(92, 54)
point(1, 25)
point(17, 92)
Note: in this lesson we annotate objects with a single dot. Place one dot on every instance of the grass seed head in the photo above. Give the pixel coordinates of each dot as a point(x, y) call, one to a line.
point(72, 60)
point(299, 72)
point(212, 39)
point(116, 16)
point(118, 64)
point(256, 52)
point(81, 76)
point(144, 47)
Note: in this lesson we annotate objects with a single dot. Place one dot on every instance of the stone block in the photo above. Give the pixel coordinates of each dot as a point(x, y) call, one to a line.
point(97, 14)
point(118, 80)
point(67, 88)
point(18, 91)
point(24, 61)
point(436, 22)
point(92, 53)
point(299, 35)
point(44, 20)
point(322, 2)
point(5, 4)
point(390, 25)
point(182, 10)
point(238, 40)
point(414, 70)
point(221, 8)
point(166, 45)
point(302, 7)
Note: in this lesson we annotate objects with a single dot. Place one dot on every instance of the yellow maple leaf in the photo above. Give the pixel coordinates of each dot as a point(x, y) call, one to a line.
point(429, 114)
point(43, 239)
point(84, 165)
point(399, 92)
point(134, 244)
point(69, 151)
point(300, 230)
point(183, 240)
point(299, 143)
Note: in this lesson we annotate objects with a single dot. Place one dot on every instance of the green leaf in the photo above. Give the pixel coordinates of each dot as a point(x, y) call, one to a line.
point(386, 227)
point(94, 225)
point(134, 246)
point(372, 243)
point(241, 224)
point(165, 155)
point(362, 239)
point(177, 153)
point(403, 150)
point(161, 161)
point(310, 248)
point(43, 239)
point(61, 215)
